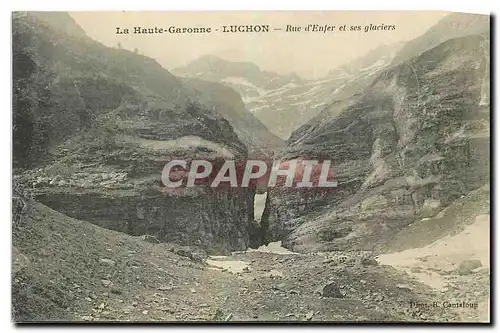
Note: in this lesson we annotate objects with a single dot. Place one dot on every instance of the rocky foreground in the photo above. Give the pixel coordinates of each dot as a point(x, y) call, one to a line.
point(67, 269)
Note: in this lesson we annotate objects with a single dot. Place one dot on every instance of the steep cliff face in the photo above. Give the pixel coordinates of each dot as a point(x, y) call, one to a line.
point(115, 183)
point(286, 102)
point(413, 142)
point(94, 127)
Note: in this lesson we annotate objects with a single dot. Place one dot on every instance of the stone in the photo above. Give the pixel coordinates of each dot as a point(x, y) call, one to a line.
point(165, 288)
point(19, 261)
point(275, 274)
point(116, 291)
point(430, 208)
point(150, 239)
point(281, 286)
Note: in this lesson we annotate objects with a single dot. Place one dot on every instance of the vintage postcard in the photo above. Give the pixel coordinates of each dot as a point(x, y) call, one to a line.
point(251, 166)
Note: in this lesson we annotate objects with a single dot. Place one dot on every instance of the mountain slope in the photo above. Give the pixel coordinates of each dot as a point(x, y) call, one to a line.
point(71, 270)
point(285, 102)
point(362, 71)
point(340, 84)
point(246, 78)
point(451, 26)
point(228, 103)
point(63, 80)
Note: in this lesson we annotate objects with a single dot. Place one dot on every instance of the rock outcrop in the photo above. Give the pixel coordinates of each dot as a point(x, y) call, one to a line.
point(286, 102)
point(229, 104)
point(406, 147)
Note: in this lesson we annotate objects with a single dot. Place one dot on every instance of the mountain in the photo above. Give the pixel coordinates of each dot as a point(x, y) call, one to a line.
point(378, 57)
point(357, 75)
point(312, 99)
point(216, 80)
point(94, 127)
point(411, 143)
point(63, 80)
point(229, 104)
point(96, 238)
point(343, 83)
point(285, 102)
point(246, 78)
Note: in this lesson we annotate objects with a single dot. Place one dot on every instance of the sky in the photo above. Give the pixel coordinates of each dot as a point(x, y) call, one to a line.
point(310, 54)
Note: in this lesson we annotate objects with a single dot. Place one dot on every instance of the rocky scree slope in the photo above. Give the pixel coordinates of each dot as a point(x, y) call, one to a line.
point(94, 126)
point(71, 270)
point(415, 141)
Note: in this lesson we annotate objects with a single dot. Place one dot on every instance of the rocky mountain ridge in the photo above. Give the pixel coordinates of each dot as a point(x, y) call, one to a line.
point(94, 127)
point(409, 145)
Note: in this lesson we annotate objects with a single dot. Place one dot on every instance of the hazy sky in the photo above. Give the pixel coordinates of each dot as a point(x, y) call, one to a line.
point(310, 54)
